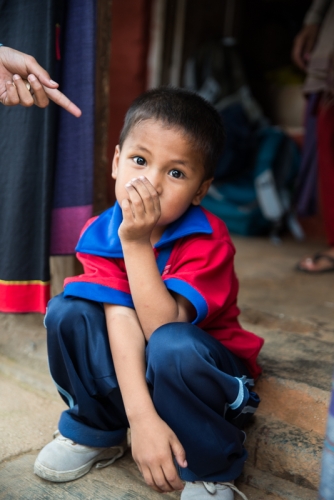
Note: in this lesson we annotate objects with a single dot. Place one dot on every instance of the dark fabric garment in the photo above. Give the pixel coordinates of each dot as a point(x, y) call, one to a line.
point(306, 190)
point(73, 190)
point(197, 386)
point(325, 134)
point(240, 145)
point(27, 139)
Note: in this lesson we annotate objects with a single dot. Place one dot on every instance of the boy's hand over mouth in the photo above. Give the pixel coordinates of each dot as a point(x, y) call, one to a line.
point(141, 211)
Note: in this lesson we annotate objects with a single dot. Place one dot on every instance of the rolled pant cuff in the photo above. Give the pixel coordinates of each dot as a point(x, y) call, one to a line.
point(223, 476)
point(88, 436)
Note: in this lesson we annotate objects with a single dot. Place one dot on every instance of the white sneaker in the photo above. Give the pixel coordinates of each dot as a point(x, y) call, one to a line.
point(203, 491)
point(63, 460)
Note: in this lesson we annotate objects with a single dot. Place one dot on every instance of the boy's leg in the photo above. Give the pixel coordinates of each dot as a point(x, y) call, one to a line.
point(198, 387)
point(82, 368)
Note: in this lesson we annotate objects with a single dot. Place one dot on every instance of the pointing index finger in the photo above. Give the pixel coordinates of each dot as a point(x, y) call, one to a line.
point(59, 98)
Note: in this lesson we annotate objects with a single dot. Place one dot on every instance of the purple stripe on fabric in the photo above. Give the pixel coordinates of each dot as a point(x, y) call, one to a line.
point(66, 225)
point(306, 189)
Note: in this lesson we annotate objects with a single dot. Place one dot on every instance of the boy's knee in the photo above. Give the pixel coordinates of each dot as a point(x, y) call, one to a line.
point(67, 315)
point(172, 345)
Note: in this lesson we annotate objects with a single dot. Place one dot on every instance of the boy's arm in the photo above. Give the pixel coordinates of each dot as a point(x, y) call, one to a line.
point(154, 304)
point(153, 442)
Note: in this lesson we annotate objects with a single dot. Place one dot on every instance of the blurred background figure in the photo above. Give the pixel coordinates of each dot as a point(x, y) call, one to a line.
point(313, 52)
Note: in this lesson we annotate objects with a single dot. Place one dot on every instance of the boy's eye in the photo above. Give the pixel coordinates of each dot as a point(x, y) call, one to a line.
point(139, 160)
point(176, 174)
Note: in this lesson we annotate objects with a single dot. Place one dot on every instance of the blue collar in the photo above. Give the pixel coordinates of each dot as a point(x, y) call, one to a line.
point(101, 237)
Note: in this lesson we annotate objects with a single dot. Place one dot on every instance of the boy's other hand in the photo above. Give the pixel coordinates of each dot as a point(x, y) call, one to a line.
point(154, 445)
point(141, 211)
point(15, 66)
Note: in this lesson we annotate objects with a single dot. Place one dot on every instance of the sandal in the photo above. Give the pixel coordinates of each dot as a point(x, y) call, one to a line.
point(315, 259)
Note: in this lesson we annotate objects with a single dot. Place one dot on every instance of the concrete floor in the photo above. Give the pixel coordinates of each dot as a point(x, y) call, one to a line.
point(30, 406)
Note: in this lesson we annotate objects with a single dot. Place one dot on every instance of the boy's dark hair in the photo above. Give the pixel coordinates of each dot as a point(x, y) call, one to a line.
point(185, 110)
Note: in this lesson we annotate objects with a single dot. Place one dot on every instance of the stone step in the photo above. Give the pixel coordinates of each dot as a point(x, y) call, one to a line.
point(258, 485)
point(303, 360)
point(286, 438)
point(301, 357)
point(285, 451)
point(295, 403)
point(29, 377)
point(308, 327)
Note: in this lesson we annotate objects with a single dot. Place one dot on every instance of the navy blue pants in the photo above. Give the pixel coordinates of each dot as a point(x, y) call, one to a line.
point(198, 388)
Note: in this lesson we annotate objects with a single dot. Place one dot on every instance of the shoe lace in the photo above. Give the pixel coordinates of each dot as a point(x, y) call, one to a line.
point(57, 435)
point(119, 454)
point(120, 450)
point(211, 488)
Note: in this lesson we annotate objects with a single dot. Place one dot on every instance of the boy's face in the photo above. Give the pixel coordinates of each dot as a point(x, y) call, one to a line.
point(167, 158)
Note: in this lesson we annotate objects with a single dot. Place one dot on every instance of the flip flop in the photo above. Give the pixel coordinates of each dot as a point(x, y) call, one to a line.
point(315, 259)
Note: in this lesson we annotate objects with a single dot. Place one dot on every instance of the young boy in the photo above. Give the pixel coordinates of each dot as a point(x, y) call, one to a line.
point(148, 337)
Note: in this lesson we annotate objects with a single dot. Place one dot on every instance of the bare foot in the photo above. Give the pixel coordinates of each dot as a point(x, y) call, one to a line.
point(320, 262)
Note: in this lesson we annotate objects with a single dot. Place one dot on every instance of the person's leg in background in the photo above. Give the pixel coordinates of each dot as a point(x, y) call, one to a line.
point(326, 168)
point(324, 261)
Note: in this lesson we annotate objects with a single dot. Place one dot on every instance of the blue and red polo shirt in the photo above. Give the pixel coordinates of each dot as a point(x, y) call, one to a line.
point(195, 258)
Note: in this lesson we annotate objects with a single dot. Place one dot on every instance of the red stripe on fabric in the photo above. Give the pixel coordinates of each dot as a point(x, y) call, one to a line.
point(24, 298)
point(58, 57)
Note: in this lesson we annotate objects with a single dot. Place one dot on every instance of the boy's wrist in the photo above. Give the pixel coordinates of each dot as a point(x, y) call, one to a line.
point(141, 415)
point(135, 244)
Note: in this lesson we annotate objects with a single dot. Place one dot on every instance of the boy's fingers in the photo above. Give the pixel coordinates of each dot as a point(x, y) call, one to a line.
point(136, 200)
point(179, 453)
point(172, 478)
point(127, 211)
point(39, 95)
point(153, 193)
point(63, 101)
point(160, 481)
point(144, 193)
point(23, 92)
point(148, 478)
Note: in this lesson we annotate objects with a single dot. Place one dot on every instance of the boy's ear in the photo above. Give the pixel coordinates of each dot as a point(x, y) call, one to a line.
point(203, 189)
point(115, 162)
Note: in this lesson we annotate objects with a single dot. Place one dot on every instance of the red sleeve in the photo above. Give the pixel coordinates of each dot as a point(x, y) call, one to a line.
point(201, 269)
point(104, 279)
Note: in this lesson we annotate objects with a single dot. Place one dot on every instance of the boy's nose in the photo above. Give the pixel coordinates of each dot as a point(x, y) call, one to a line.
point(156, 181)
